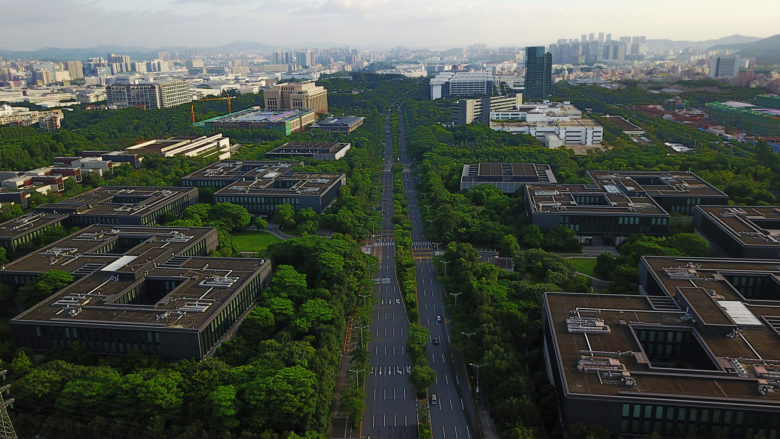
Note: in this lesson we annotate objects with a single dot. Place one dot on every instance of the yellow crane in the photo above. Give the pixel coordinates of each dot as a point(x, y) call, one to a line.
point(221, 98)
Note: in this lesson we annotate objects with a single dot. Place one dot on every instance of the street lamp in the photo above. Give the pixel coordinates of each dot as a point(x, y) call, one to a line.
point(357, 376)
point(364, 296)
point(361, 333)
point(445, 268)
point(468, 334)
point(477, 366)
point(456, 296)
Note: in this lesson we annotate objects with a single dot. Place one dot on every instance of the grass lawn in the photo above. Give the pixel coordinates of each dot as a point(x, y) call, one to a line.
point(583, 265)
point(254, 241)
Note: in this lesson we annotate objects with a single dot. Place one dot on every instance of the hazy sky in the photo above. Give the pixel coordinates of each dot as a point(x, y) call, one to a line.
point(31, 24)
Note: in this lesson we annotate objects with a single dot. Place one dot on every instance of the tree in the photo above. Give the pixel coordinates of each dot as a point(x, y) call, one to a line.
point(422, 375)
point(689, 244)
point(232, 216)
point(260, 223)
point(222, 407)
point(508, 246)
point(285, 217)
point(46, 284)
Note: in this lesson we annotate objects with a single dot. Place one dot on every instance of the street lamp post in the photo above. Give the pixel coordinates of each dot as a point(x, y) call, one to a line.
point(361, 333)
point(445, 268)
point(477, 366)
point(456, 296)
point(364, 296)
point(468, 334)
point(357, 376)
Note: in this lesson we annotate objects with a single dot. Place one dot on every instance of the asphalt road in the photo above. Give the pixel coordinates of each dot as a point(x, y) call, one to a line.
point(453, 417)
point(390, 403)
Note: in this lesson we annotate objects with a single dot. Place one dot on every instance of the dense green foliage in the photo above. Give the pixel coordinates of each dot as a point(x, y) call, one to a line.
point(277, 376)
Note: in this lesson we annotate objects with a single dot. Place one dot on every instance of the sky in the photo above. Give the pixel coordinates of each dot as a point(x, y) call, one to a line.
point(32, 24)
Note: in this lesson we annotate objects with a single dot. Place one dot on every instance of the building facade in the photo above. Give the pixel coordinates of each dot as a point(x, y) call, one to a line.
point(467, 111)
point(339, 124)
point(316, 150)
point(741, 231)
point(538, 73)
point(148, 96)
point(297, 96)
point(446, 84)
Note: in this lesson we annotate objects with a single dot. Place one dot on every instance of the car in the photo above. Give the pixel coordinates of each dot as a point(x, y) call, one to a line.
point(435, 340)
point(434, 399)
point(438, 318)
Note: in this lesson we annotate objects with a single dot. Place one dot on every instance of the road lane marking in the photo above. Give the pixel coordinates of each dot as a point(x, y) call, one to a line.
point(384, 420)
point(443, 432)
point(468, 432)
point(395, 422)
point(406, 424)
point(372, 420)
point(404, 394)
point(446, 380)
point(461, 404)
point(442, 357)
point(456, 431)
point(393, 392)
point(451, 405)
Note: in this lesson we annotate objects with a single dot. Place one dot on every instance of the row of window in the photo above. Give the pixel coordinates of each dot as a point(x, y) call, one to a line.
point(225, 320)
point(34, 234)
point(647, 418)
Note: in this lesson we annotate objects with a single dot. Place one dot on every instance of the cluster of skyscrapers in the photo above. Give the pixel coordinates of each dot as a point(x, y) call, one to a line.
point(589, 49)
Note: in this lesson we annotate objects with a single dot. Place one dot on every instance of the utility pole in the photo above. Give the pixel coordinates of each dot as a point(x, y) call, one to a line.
point(456, 295)
point(361, 333)
point(6, 427)
point(477, 366)
point(357, 376)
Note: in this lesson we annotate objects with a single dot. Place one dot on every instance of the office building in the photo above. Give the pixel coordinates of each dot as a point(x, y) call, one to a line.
point(447, 84)
point(554, 124)
point(538, 73)
point(262, 186)
point(741, 231)
point(254, 118)
point(509, 177)
point(725, 67)
point(618, 204)
point(137, 205)
point(698, 354)
point(297, 96)
point(754, 119)
point(157, 95)
point(138, 288)
point(25, 229)
point(203, 146)
point(466, 111)
point(339, 124)
point(316, 150)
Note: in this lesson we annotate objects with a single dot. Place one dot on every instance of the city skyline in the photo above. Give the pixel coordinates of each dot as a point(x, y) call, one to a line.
point(437, 23)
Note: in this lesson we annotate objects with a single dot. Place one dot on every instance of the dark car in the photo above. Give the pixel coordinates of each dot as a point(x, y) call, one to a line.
point(435, 340)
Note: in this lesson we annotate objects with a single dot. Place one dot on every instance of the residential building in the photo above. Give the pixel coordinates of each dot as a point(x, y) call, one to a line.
point(75, 69)
point(538, 73)
point(509, 177)
point(23, 116)
point(262, 186)
point(157, 95)
point(149, 289)
point(254, 118)
point(339, 124)
point(698, 353)
point(447, 84)
point(466, 111)
point(203, 146)
point(297, 96)
point(741, 231)
point(316, 150)
point(137, 205)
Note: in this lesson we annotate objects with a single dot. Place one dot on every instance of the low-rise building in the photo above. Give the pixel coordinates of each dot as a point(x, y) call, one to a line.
point(24, 229)
point(316, 150)
point(509, 177)
point(698, 353)
point(254, 118)
point(618, 204)
point(138, 288)
point(203, 146)
point(628, 128)
point(741, 231)
point(754, 119)
point(137, 205)
point(227, 172)
point(23, 116)
point(339, 124)
point(554, 124)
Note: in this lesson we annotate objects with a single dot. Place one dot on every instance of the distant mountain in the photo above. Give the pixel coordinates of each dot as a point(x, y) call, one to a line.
point(663, 44)
point(765, 51)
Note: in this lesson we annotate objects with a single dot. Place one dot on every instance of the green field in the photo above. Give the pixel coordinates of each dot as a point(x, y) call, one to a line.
point(583, 265)
point(254, 241)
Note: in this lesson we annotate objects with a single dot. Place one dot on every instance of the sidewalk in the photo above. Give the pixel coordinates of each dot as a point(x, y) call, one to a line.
point(341, 423)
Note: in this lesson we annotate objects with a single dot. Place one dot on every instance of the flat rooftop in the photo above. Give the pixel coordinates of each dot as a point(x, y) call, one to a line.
point(507, 172)
point(118, 200)
point(97, 246)
point(339, 121)
point(623, 124)
point(750, 225)
point(197, 289)
point(303, 148)
point(257, 115)
point(27, 223)
point(249, 170)
point(670, 184)
point(589, 198)
point(701, 338)
point(296, 183)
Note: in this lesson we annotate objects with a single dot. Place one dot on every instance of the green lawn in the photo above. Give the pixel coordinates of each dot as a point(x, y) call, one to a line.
point(583, 265)
point(254, 241)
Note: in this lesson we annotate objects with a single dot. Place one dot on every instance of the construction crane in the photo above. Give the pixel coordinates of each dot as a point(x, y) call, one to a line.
point(221, 98)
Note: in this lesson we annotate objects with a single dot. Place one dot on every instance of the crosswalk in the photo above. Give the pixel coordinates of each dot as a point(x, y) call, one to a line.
point(424, 245)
